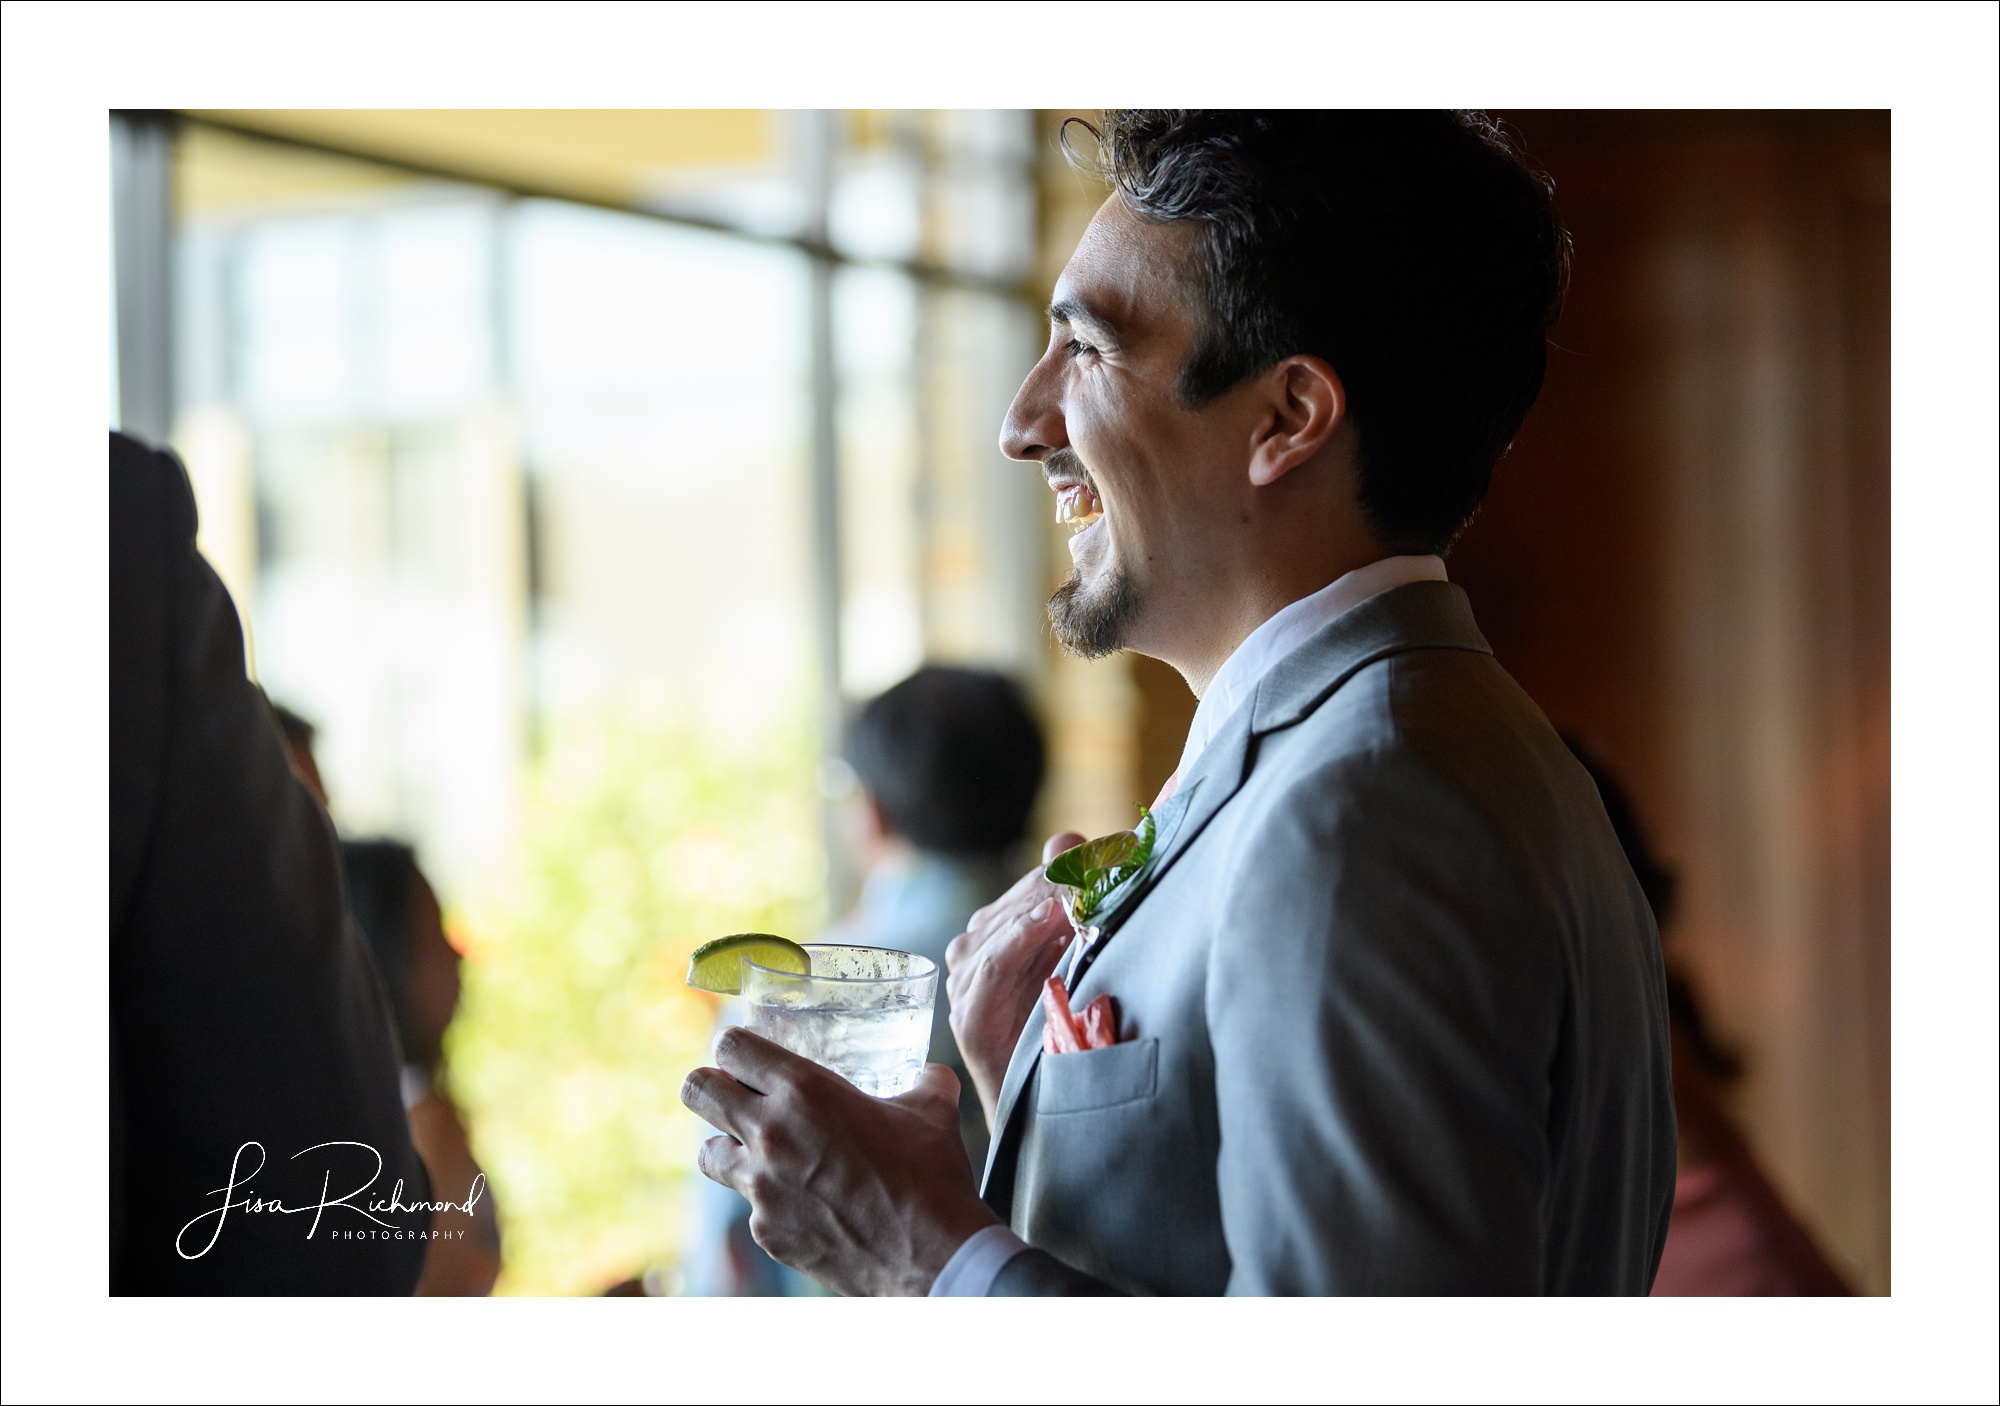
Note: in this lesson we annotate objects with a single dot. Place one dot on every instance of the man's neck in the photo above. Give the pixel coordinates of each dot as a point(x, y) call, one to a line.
point(1203, 651)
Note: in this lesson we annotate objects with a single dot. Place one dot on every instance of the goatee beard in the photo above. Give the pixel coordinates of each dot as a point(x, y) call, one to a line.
point(1091, 623)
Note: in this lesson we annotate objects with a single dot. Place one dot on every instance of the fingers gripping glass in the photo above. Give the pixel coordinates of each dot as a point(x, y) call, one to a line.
point(863, 1012)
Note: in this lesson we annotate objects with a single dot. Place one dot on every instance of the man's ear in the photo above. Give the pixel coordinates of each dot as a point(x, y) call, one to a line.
point(1306, 404)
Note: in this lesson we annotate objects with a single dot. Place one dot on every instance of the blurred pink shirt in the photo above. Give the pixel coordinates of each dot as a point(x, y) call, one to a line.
point(1732, 1237)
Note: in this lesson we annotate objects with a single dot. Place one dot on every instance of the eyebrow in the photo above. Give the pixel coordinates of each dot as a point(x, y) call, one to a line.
point(1077, 315)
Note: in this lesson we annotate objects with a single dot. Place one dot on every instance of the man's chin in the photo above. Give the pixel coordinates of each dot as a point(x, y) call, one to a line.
point(1093, 618)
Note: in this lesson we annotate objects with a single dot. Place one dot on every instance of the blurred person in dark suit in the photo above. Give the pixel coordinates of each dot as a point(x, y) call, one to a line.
point(1731, 1234)
point(398, 910)
point(949, 763)
point(258, 1143)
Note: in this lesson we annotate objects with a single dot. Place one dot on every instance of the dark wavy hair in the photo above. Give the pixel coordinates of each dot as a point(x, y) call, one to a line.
point(955, 758)
point(1418, 253)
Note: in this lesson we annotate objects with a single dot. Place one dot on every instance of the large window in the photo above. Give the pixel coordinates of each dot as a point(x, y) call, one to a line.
point(571, 530)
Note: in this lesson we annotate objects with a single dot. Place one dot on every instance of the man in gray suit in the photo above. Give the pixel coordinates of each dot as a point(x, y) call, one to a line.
point(1388, 1005)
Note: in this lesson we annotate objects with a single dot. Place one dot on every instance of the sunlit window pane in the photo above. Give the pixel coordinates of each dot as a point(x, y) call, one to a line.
point(515, 498)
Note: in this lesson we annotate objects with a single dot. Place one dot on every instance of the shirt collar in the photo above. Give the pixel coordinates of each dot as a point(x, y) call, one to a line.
point(1284, 632)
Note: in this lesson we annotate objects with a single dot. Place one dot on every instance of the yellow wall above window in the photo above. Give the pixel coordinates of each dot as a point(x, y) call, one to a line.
point(600, 155)
point(217, 172)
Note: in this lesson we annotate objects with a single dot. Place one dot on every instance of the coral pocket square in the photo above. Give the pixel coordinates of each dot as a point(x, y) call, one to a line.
point(1071, 1032)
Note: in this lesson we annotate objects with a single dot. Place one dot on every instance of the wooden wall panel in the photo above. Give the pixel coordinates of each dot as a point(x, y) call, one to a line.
point(1685, 561)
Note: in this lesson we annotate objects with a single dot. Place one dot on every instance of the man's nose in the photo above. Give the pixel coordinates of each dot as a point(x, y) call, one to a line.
point(1034, 429)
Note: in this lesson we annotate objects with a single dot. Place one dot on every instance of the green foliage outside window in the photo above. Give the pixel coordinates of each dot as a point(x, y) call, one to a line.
point(640, 839)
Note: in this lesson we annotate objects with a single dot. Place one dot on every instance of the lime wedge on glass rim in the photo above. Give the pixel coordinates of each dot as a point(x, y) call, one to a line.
point(718, 966)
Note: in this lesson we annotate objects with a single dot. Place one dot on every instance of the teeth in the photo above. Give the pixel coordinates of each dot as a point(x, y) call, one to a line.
point(1079, 505)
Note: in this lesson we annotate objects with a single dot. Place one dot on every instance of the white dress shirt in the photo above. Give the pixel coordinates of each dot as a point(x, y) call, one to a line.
point(977, 1263)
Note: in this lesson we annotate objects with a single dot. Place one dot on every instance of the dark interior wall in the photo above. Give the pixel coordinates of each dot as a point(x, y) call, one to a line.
point(1565, 556)
point(1685, 561)
point(1573, 561)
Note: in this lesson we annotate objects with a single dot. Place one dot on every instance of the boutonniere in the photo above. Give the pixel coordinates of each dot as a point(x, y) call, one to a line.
point(1098, 877)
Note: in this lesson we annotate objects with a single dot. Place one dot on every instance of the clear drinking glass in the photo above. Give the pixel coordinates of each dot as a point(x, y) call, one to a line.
point(864, 1013)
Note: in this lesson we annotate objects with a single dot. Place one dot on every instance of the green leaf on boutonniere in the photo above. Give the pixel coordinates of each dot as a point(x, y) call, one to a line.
point(1095, 867)
point(1095, 871)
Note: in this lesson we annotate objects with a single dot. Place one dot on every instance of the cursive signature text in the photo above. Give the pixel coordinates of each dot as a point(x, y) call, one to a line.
point(249, 1203)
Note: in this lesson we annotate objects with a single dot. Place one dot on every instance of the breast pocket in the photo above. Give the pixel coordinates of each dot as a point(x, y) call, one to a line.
point(1092, 1079)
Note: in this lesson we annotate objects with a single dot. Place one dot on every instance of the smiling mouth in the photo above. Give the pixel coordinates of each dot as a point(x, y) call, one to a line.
point(1075, 503)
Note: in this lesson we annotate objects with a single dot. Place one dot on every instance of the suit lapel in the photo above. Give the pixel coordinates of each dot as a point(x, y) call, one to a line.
point(1422, 615)
point(1220, 776)
point(1425, 614)
point(1027, 1050)
point(1224, 766)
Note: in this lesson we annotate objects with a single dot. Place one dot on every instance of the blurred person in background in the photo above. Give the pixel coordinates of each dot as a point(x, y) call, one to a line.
point(949, 763)
point(252, 1045)
point(1731, 1233)
point(397, 909)
point(399, 914)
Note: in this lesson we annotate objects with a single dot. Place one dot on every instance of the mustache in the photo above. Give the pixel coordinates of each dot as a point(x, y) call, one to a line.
point(1064, 463)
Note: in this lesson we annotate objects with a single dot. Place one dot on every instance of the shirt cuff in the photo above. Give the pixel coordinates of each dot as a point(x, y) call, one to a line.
point(971, 1272)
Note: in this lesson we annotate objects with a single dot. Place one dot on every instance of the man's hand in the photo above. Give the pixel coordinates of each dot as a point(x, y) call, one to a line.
point(866, 1195)
point(996, 970)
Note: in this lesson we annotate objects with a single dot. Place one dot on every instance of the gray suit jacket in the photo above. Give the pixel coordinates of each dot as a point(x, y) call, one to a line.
point(1390, 1008)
